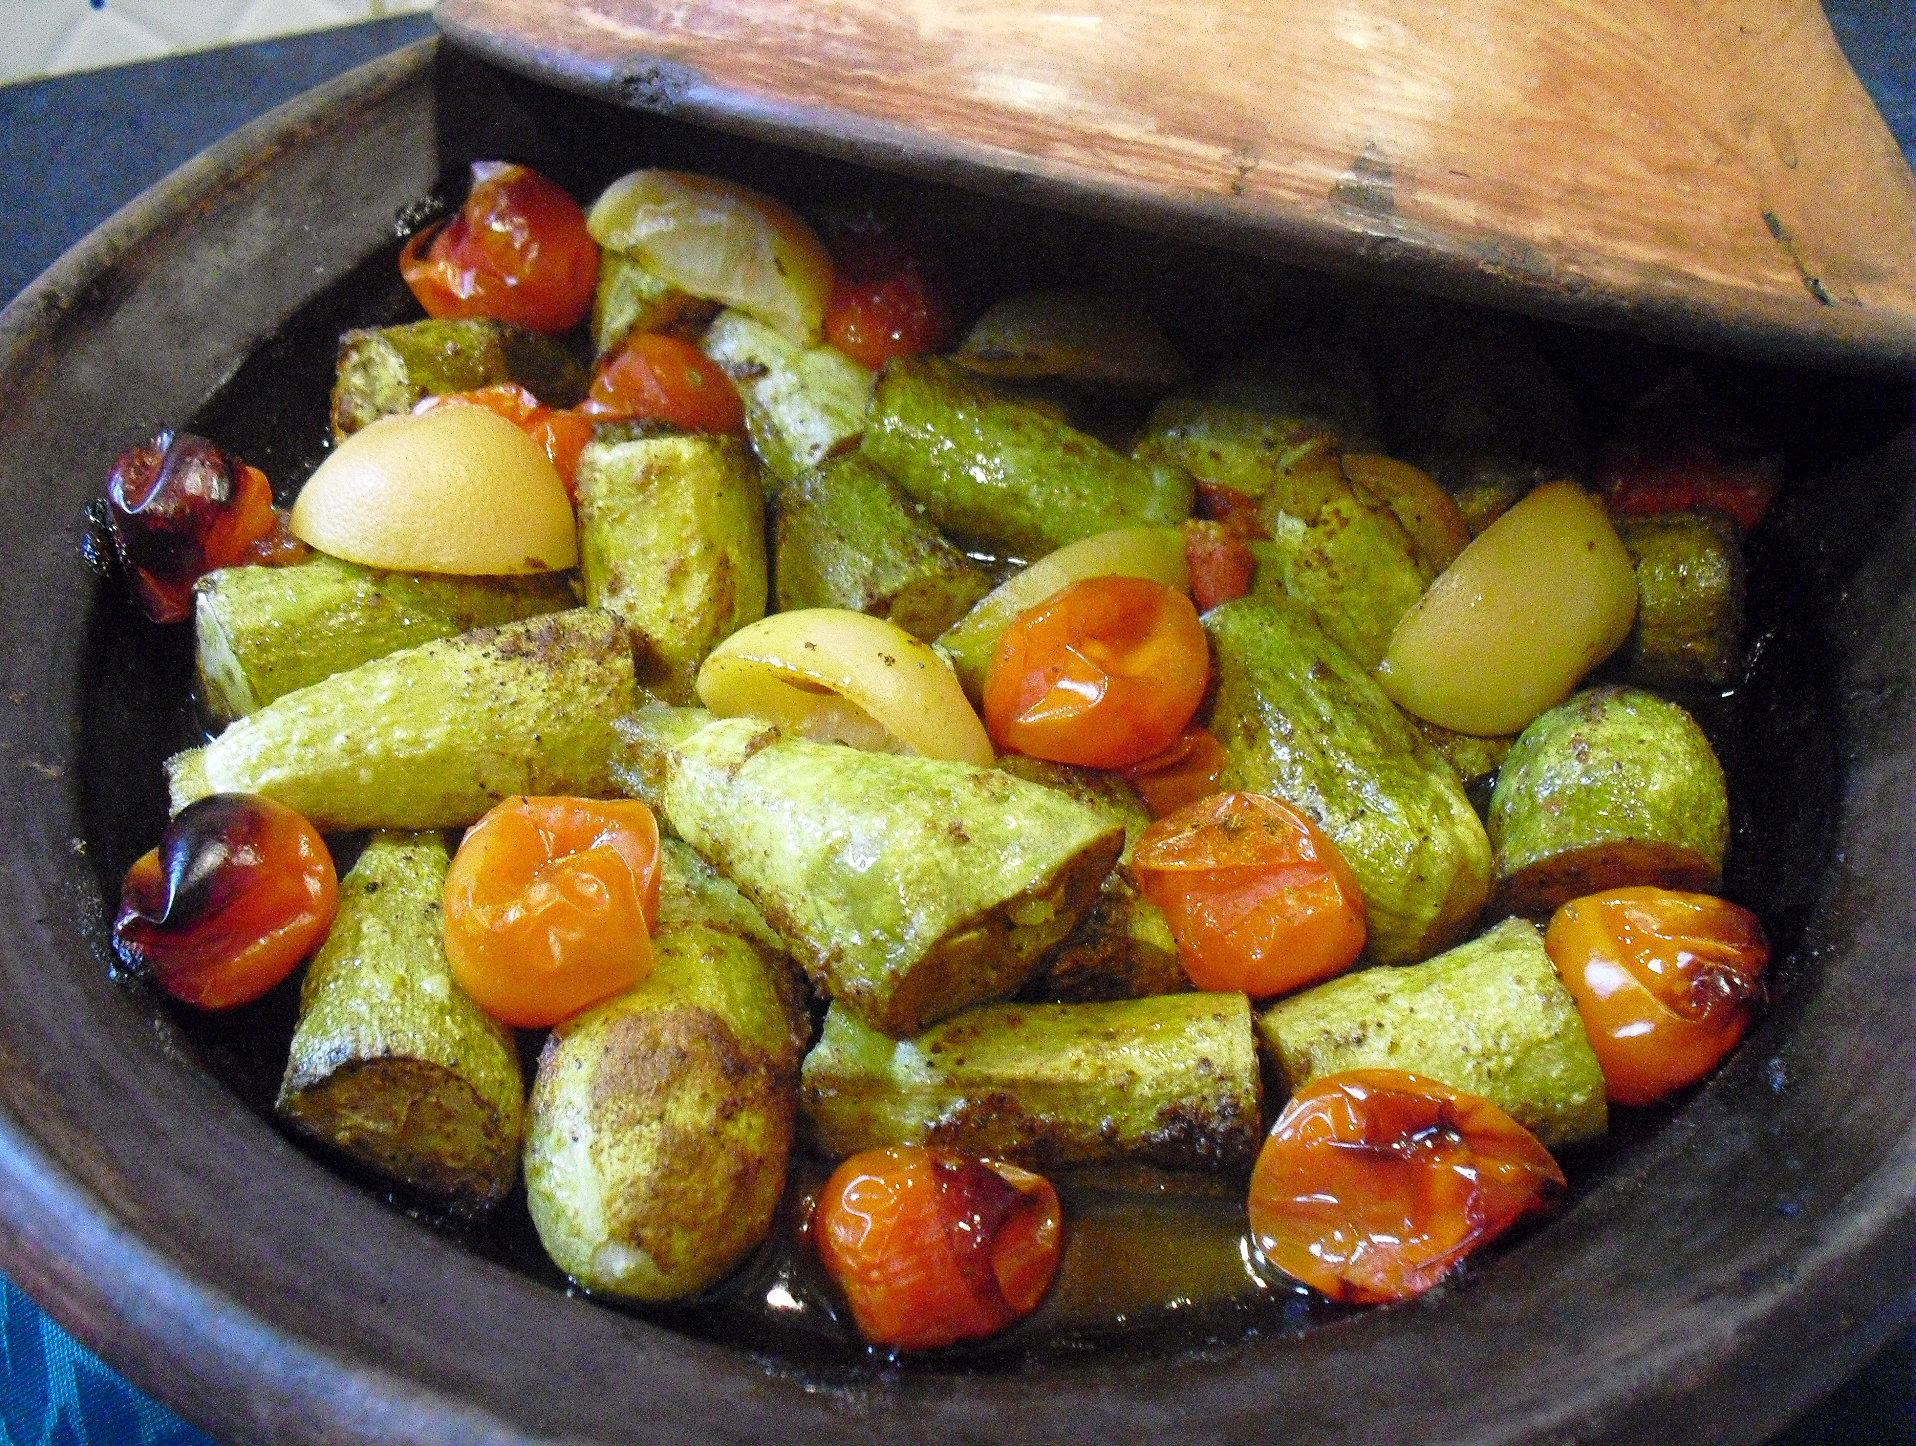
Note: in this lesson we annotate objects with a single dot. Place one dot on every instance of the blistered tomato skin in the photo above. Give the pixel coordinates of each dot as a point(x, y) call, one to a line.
point(550, 904)
point(179, 508)
point(239, 891)
point(1182, 774)
point(657, 378)
point(888, 296)
point(1665, 981)
point(931, 1248)
point(1374, 1184)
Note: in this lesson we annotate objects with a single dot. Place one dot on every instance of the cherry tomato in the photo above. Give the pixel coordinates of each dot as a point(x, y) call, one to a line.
point(1221, 565)
point(1677, 449)
point(1237, 512)
point(1257, 898)
point(929, 1248)
point(657, 378)
point(562, 435)
point(550, 903)
point(1185, 772)
point(239, 891)
point(518, 251)
point(1665, 983)
point(888, 296)
point(176, 510)
point(1374, 1184)
point(1103, 674)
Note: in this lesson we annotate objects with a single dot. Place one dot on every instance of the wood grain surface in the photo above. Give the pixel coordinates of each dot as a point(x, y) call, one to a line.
point(1705, 169)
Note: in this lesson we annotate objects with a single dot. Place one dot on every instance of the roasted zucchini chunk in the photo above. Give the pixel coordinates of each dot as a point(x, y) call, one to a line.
point(1300, 720)
point(1614, 787)
point(1075, 338)
point(1690, 587)
point(1007, 473)
point(388, 369)
point(1489, 1017)
point(662, 1119)
point(672, 542)
point(433, 736)
point(907, 887)
point(262, 632)
point(392, 1063)
point(1170, 1081)
point(632, 297)
point(802, 403)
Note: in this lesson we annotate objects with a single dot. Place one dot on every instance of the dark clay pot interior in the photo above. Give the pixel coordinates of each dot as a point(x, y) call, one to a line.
point(1715, 1268)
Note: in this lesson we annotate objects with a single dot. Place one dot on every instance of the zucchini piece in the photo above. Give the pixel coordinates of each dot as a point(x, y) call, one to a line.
point(672, 542)
point(262, 632)
point(1473, 758)
point(1489, 1017)
point(1170, 1082)
point(433, 736)
point(848, 538)
point(907, 887)
point(1252, 453)
point(1614, 787)
point(1690, 590)
point(633, 297)
point(1076, 338)
point(662, 1120)
point(1004, 472)
point(392, 1063)
point(802, 403)
point(642, 749)
point(387, 369)
point(1300, 720)
point(1317, 377)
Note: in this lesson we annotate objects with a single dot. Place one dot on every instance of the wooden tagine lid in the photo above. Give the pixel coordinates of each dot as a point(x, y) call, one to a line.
point(1709, 172)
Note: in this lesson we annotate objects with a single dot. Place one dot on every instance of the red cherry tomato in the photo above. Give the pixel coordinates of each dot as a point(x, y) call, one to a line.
point(1237, 512)
point(1677, 449)
point(518, 251)
point(550, 904)
point(888, 296)
point(1103, 674)
point(1185, 772)
point(239, 891)
point(1221, 565)
point(929, 1248)
point(1665, 983)
point(180, 508)
point(657, 378)
point(1258, 900)
point(1374, 1184)
point(562, 435)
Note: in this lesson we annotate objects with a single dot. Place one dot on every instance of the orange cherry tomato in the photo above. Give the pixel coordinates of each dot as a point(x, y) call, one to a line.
point(1185, 772)
point(1221, 565)
point(929, 1247)
point(239, 891)
point(1375, 1183)
point(653, 377)
point(1103, 674)
point(550, 904)
point(1257, 898)
point(518, 251)
point(562, 435)
point(888, 295)
point(1665, 983)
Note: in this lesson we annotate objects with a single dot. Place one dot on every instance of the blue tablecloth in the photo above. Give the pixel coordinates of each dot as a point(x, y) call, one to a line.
point(75, 148)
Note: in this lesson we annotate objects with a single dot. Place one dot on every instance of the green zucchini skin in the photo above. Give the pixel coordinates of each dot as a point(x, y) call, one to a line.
point(1004, 472)
point(433, 736)
point(1474, 758)
point(907, 887)
point(632, 297)
point(1170, 1082)
point(662, 1120)
point(642, 746)
point(1300, 720)
point(1690, 595)
point(802, 403)
point(1489, 1017)
point(392, 1063)
point(1252, 452)
point(848, 538)
point(388, 369)
point(262, 632)
point(1614, 787)
point(672, 542)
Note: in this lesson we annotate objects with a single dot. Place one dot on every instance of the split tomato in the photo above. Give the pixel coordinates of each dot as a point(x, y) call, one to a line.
point(518, 251)
point(659, 378)
point(561, 434)
point(239, 891)
point(1665, 982)
point(1374, 1184)
point(1103, 674)
point(888, 296)
point(930, 1247)
point(1257, 898)
point(1183, 773)
point(550, 904)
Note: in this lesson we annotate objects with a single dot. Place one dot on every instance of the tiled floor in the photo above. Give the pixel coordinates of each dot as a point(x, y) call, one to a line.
point(49, 37)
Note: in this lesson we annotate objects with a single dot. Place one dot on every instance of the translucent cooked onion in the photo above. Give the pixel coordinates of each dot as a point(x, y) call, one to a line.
point(829, 673)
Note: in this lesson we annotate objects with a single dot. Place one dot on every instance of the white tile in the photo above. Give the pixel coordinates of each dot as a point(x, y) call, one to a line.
point(105, 37)
point(187, 24)
point(32, 31)
point(264, 18)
